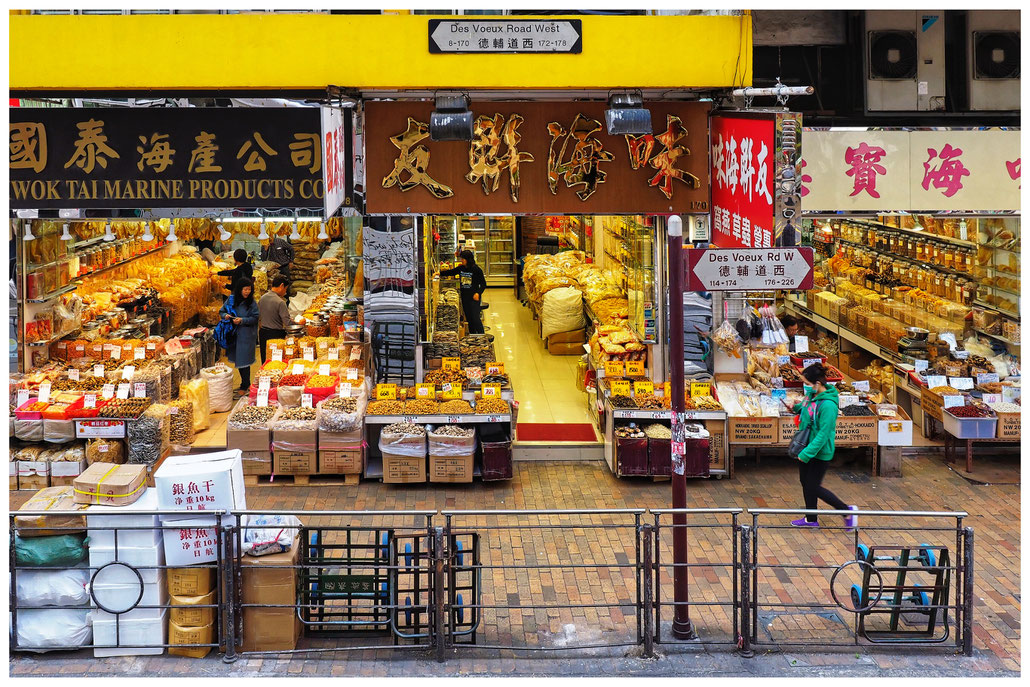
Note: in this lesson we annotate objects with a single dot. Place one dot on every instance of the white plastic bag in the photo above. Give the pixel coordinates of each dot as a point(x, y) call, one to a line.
point(442, 445)
point(28, 430)
point(268, 534)
point(219, 385)
point(57, 628)
point(52, 587)
point(562, 311)
point(58, 431)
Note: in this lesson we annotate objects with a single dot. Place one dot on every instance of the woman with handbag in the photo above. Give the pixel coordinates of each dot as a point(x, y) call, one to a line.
point(242, 311)
point(813, 445)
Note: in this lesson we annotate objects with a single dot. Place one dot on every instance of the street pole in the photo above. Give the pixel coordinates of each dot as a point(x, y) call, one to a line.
point(681, 627)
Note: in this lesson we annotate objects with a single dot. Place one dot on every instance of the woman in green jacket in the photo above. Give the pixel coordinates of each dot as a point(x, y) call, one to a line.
point(819, 411)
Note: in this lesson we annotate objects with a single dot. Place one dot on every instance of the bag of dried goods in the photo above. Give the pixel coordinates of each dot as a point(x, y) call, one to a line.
point(196, 391)
point(247, 417)
point(220, 387)
point(105, 451)
point(149, 436)
point(180, 415)
point(562, 311)
point(337, 414)
point(452, 440)
point(403, 439)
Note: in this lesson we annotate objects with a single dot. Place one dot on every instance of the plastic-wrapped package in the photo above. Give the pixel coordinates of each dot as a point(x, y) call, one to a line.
point(105, 451)
point(452, 441)
point(180, 416)
point(149, 376)
point(196, 391)
point(28, 430)
point(297, 420)
point(149, 436)
point(58, 431)
point(289, 396)
point(52, 629)
point(53, 587)
point(60, 551)
point(220, 387)
point(337, 414)
point(268, 534)
point(403, 439)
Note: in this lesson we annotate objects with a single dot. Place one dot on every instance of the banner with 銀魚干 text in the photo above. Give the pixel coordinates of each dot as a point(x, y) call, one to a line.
point(108, 158)
point(889, 171)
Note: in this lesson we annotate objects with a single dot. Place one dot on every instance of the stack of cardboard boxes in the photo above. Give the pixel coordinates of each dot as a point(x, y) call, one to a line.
point(193, 596)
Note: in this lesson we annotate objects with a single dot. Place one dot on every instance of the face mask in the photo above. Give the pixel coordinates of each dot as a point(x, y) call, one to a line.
point(809, 389)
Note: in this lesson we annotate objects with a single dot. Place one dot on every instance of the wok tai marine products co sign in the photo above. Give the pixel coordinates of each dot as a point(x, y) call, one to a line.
point(755, 168)
point(166, 157)
point(748, 269)
point(537, 158)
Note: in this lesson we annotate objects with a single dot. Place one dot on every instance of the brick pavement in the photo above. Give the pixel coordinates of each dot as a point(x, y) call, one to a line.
point(605, 548)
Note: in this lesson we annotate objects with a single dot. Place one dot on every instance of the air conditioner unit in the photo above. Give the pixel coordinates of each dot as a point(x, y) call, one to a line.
point(993, 50)
point(904, 60)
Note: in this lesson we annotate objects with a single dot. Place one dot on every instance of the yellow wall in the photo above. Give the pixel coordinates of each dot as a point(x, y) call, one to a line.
point(311, 51)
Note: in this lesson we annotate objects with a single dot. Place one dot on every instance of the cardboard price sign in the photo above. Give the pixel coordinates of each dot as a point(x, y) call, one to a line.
point(614, 368)
point(961, 383)
point(861, 386)
point(324, 368)
point(450, 391)
point(89, 401)
point(98, 370)
point(620, 387)
point(44, 392)
point(452, 363)
point(334, 353)
point(277, 355)
point(989, 378)
point(700, 389)
point(386, 392)
point(23, 397)
point(344, 390)
point(643, 387)
point(495, 368)
point(262, 398)
point(922, 365)
point(352, 374)
point(306, 401)
point(108, 391)
point(425, 391)
point(128, 372)
point(309, 355)
point(954, 401)
point(933, 381)
point(116, 352)
point(298, 369)
point(264, 383)
point(139, 390)
point(491, 391)
point(123, 391)
point(800, 344)
point(635, 368)
point(73, 374)
point(139, 353)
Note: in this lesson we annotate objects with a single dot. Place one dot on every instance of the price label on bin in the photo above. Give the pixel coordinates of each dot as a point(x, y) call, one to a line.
point(344, 390)
point(991, 399)
point(386, 392)
point(128, 372)
point(989, 378)
point(334, 353)
point(264, 383)
point(961, 383)
point(289, 351)
point(861, 385)
point(450, 391)
point(262, 398)
point(23, 397)
point(123, 390)
point(277, 354)
point(800, 344)
point(98, 370)
point(309, 354)
point(614, 368)
point(139, 353)
point(783, 360)
point(352, 374)
point(306, 401)
point(809, 361)
point(73, 374)
point(324, 368)
point(116, 352)
point(953, 401)
point(934, 381)
point(491, 391)
point(620, 387)
point(452, 363)
point(44, 392)
point(643, 388)
point(634, 368)
point(922, 365)
point(108, 391)
point(298, 369)
point(89, 401)
point(700, 389)
point(495, 368)
point(152, 346)
point(425, 391)
point(139, 390)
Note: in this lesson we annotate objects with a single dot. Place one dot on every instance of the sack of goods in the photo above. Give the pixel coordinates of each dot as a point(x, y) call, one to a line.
point(403, 439)
point(451, 440)
point(220, 387)
point(562, 311)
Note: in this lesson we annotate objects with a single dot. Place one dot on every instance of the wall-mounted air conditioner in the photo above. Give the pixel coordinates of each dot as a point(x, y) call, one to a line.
point(993, 50)
point(904, 60)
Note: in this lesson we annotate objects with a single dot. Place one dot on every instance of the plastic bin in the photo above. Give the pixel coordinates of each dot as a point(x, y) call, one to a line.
point(497, 460)
point(631, 456)
point(970, 427)
point(659, 456)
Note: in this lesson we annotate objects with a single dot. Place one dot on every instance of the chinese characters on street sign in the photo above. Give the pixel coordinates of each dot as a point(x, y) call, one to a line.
point(165, 157)
point(748, 269)
point(505, 36)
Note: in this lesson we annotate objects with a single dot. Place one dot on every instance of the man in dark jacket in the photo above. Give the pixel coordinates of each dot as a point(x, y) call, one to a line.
point(473, 284)
point(280, 251)
point(243, 270)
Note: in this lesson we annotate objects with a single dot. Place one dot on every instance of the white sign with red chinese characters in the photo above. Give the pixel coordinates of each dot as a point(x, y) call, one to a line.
point(334, 162)
point(190, 541)
point(885, 171)
point(742, 181)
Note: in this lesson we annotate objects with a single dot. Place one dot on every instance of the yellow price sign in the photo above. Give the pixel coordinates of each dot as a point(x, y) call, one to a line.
point(620, 387)
point(643, 387)
point(495, 368)
point(667, 388)
point(425, 391)
point(614, 368)
point(452, 363)
point(700, 389)
point(386, 392)
point(491, 391)
point(635, 368)
point(451, 391)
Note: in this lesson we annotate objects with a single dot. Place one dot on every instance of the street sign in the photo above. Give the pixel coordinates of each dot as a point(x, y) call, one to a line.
point(505, 36)
point(748, 269)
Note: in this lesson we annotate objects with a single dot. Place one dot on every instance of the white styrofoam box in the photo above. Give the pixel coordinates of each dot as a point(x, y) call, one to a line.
point(191, 540)
point(115, 592)
point(894, 432)
point(136, 556)
point(125, 516)
point(207, 481)
point(144, 633)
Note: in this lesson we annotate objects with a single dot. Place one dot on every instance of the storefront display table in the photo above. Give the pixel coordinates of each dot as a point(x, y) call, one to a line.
point(951, 442)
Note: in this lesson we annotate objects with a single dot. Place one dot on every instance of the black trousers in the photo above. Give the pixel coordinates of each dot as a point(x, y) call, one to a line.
point(473, 315)
point(812, 474)
point(244, 378)
point(264, 335)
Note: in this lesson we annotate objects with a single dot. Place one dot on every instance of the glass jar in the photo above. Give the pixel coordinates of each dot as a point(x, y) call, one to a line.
point(33, 285)
point(970, 259)
point(91, 331)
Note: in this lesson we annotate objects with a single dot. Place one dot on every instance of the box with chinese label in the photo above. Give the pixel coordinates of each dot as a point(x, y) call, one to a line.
point(341, 441)
point(64, 472)
point(190, 541)
point(210, 481)
point(191, 581)
point(50, 499)
point(451, 468)
point(295, 462)
point(196, 635)
point(753, 430)
point(257, 462)
point(341, 462)
point(111, 485)
point(33, 475)
point(193, 611)
point(403, 469)
point(895, 432)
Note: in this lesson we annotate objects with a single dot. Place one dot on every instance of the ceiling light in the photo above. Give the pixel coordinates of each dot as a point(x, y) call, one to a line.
point(147, 236)
point(108, 235)
point(295, 234)
point(28, 232)
point(451, 120)
point(171, 232)
point(67, 235)
point(264, 234)
point(626, 115)
point(322, 234)
point(225, 235)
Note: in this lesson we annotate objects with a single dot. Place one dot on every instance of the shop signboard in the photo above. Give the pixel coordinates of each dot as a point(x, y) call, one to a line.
point(189, 157)
point(336, 141)
point(755, 165)
point(512, 36)
point(748, 269)
point(537, 158)
point(971, 170)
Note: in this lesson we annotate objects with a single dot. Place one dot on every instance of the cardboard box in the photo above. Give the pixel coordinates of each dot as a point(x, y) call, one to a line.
point(63, 472)
point(270, 629)
point(578, 336)
point(249, 439)
point(933, 404)
point(217, 479)
point(178, 634)
point(190, 581)
point(565, 348)
point(895, 432)
point(295, 462)
point(856, 430)
point(1008, 425)
point(753, 430)
point(341, 440)
point(185, 611)
point(111, 485)
point(56, 499)
point(718, 454)
point(787, 430)
point(257, 462)
point(339, 462)
point(14, 475)
point(450, 468)
point(107, 522)
point(294, 441)
point(403, 469)
point(190, 541)
point(33, 475)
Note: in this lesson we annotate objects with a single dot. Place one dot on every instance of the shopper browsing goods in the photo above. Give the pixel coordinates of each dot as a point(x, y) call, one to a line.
point(472, 283)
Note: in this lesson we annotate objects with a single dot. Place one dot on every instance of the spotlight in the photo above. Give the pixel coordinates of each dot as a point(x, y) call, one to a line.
point(295, 234)
point(171, 232)
point(263, 235)
point(451, 120)
point(67, 235)
point(225, 235)
point(147, 236)
point(626, 115)
point(108, 234)
point(323, 235)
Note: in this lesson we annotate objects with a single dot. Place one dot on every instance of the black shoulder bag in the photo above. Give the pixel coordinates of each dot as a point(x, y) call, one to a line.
point(800, 439)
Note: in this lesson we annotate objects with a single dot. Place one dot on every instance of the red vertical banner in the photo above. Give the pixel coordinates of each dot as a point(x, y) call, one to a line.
point(742, 159)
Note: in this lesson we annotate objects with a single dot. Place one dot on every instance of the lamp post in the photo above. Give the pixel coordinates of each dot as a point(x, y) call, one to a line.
point(681, 627)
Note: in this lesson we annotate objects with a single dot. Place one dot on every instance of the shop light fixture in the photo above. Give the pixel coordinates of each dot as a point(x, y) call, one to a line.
point(295, 234)
point(171, 232)
point(67, 234)
point(108, 234)
point(626, 114)
point(147, 236)
point(224, 235)
point(452, 119)
point(28, 232)
point(263, 235)
point(323, 235)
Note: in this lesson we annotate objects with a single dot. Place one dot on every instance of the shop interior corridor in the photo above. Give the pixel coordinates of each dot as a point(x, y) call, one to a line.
point(544, 384)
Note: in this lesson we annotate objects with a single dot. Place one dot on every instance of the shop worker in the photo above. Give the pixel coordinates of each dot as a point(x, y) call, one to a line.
point(242, 311)
point(473, 284)
point(275, 316)
point(819, 413)
point(790, 325)
point(243, 270)
point(280, 251)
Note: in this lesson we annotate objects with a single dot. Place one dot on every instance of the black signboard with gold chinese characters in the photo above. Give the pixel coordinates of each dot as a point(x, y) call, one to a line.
point(109, 158)
point(537, 158)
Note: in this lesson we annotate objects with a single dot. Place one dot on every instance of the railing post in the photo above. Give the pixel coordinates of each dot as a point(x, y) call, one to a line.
point(744, 640)
point(646, 533)
point(967, 592)
point(228, 585)
point(439, 600)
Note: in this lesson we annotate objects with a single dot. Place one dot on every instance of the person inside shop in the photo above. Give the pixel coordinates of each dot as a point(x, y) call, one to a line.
point(473, 284)
point(280, 251)
point(243, 270)
point(790, 326)
point(818, 417)
point(241, 310)
point(275, 315)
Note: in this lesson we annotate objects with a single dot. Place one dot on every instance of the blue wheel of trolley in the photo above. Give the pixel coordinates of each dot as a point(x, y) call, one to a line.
point(407, 611)
point(461, 554)
point(856, 596)
point(407, 555)
point(863, 552)
point(461, 609)
point(926, 556)
point(920, 598)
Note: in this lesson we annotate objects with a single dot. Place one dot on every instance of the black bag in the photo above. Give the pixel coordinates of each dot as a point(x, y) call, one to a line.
point(800, 439)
